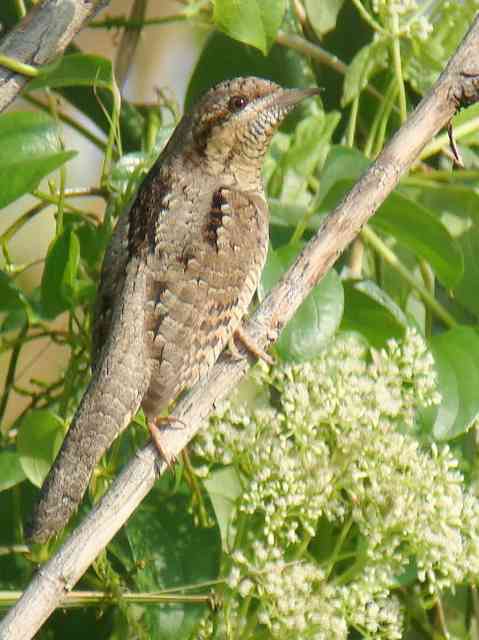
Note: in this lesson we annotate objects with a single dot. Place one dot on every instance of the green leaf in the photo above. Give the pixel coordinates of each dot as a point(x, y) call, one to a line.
point(315, 322)
point(11, 297)
point(466, 290)
point(59, 283)
point(11, 472)
point(128, 171)
point(422, 233)
point(38, 442)
point(171, 551)
point(372, 313)
point(254, 22)
point(323, 15)
point(317, 318)
point(307, 150)
point(342, 163)
point(8, 15)
point(224, 58)
point(224, 488)
point(287, 214)
point(95, 102)
point(446, 198)
point(30, 150)
point(272, 272)
point(77, 69)
point(411, 224)
point(456, 354)
point(92, 243)
point(368, 61)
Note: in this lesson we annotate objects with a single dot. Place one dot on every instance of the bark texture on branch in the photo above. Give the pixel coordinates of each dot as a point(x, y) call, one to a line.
point(457, 86)
point(44, 33)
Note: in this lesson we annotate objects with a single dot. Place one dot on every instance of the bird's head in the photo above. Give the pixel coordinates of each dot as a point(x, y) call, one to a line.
point(233, 124)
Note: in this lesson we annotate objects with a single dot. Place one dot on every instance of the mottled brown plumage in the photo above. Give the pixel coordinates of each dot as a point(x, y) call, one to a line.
point(177, 278)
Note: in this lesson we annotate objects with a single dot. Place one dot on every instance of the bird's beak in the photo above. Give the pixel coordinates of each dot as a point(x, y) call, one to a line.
point(288, 98)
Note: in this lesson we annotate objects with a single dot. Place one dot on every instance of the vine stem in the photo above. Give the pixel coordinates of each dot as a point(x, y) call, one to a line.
point(18, 67)
point(12, 367)
point(367, 17)
point(121, 22)
point(390, 257)
point(396, 55)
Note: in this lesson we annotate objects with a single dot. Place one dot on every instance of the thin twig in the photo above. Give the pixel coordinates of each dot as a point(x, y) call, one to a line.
point(46, 31)
point(385, 252)
point(12, 368)
point(128, 44)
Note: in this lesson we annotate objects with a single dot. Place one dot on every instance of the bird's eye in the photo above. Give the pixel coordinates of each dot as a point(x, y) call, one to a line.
point(236, 103)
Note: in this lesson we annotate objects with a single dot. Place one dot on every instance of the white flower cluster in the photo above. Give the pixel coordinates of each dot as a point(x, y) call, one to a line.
point(400, 7)
point(370, 608)
point(327, 445)
point(294, 598)
point(413, 23)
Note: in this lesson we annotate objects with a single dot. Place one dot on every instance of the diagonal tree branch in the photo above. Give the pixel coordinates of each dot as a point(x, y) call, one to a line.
point(44, 33)
point(458, 86)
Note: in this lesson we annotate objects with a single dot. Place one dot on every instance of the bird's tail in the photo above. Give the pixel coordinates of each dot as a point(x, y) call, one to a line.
point(111, 399)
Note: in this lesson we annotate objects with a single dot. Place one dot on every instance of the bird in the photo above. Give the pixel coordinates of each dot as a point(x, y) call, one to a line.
point(181, 269)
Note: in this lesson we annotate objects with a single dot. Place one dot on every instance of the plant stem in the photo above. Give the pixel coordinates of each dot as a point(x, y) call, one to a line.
point(441, 619)
point(302, 547)
point(6, 550)
point(52, 198)
point(21, 10)
point(386, 108)
point(18, 67)
point(12, 367)
point(378, 119)
point(120, 22)
point(353, 117)
point(93, 598)
point(367, 17)
point(391, 258)
point(297, 43)
point(195, 489)
point(113, 134)
point(62, 171)
point(337, 547)
point(396, 55)
point(8, 234)
point(428, 278)
point(356, 257)
point(475, 608)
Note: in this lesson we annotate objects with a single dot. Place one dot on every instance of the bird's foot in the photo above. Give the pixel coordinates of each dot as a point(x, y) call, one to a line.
point(249, 344)
point(154, 427)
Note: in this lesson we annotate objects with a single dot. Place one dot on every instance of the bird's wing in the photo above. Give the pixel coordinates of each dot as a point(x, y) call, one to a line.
point(202, 278)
